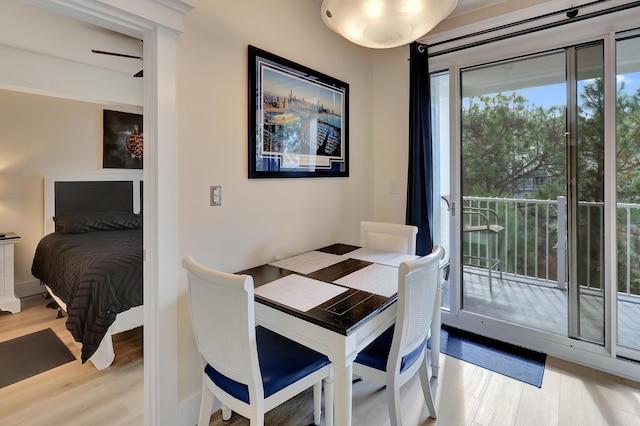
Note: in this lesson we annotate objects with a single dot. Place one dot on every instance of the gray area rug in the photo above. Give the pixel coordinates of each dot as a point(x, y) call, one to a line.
point(26, 356)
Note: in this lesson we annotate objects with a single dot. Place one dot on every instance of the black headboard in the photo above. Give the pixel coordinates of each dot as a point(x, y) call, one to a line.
point(86, 196)
point(96, 191)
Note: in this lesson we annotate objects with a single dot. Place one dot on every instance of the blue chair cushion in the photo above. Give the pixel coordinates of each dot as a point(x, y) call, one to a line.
point(282, 362)
point(377, 353)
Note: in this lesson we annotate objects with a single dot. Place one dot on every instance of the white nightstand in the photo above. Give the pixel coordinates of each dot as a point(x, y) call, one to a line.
point(8, 300)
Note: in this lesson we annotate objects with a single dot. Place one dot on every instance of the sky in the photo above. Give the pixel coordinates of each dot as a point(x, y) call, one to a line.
point(555, 94)
point(282, 84)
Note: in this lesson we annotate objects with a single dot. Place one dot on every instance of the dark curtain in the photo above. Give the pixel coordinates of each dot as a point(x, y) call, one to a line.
point(420, 180)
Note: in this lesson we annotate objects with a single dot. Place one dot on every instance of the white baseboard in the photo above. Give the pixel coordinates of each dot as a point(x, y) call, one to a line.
point(28, 288)
point(189, 410)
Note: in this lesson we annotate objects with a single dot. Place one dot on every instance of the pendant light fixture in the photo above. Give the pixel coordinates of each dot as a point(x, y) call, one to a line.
point(383, 24)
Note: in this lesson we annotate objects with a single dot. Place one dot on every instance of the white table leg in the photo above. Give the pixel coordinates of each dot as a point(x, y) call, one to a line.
point(342, 394)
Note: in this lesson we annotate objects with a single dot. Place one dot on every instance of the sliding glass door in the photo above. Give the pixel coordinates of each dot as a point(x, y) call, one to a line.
point(541, 132)
point(532, 194)
point(585, 206)
point(514, 190)
point(442, 201)
point(628, 193)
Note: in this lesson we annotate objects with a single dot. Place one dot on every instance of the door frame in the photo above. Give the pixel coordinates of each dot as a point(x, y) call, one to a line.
point(603, 28)
point(158, 24)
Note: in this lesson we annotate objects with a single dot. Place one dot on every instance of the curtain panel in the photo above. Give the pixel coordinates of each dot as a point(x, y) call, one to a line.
point(420, 179)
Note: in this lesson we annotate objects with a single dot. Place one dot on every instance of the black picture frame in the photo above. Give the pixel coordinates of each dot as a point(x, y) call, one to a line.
point(298, 120)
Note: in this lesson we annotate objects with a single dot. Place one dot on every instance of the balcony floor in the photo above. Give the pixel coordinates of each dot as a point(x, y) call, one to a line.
point(544, 308)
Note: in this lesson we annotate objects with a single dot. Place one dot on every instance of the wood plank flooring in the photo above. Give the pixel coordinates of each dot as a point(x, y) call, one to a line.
point(466, 395)
point(73, 394)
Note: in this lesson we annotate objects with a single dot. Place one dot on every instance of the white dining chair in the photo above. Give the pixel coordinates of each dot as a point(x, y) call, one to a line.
point(401, 351)
point(482, 224)
point(249, 369)
point(388, 236)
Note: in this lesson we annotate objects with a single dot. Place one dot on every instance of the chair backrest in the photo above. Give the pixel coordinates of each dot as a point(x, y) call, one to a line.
point(418, 282)
point(221, 306)
point(388, 236)
point(478, 219)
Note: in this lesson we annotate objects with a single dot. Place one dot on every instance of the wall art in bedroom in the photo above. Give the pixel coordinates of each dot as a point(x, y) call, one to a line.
point(122, 140)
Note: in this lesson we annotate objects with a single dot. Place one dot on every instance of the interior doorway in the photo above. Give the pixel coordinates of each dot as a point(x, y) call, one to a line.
point(158, 26)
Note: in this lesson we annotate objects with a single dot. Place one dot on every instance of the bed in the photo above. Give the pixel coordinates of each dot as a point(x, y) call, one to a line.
point(90, 259)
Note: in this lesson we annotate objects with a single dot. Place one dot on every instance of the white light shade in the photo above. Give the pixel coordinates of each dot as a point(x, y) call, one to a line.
point(384, 23)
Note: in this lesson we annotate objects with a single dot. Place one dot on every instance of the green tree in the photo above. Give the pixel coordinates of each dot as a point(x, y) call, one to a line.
point(508, 144)
point(628, 145)
point(590, 182)
point(628, 186)
point(506, 141)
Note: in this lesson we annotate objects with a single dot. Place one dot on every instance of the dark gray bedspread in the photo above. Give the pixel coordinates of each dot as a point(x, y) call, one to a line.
point(97, 274)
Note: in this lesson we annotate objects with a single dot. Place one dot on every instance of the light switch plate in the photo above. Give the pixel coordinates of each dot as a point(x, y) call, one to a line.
point(216, 195)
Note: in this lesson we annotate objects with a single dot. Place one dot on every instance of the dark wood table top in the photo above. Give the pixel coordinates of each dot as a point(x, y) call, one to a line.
point(342, 314)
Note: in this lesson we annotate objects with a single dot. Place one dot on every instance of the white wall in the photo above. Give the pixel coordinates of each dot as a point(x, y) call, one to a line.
point(259, 220)
point(40, 135)
point(391, 133)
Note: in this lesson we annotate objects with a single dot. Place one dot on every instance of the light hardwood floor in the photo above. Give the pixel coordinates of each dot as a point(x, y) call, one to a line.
point(76, 394)
point(73, 394)
point(571, 395)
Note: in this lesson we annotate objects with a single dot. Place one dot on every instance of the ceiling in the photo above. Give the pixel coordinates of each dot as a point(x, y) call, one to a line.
point(465, 6)
point(55, 35)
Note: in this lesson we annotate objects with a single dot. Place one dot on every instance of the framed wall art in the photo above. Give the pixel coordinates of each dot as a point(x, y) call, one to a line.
point(298, 120)
point(122, 140)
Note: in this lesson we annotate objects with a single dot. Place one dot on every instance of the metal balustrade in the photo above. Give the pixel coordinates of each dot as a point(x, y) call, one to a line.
point(532, 246)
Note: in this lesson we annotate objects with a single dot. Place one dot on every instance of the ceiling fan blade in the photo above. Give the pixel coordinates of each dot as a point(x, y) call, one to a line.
point(122, 55)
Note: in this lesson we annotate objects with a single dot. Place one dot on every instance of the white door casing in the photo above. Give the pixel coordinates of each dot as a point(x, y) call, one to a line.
point(158, 23)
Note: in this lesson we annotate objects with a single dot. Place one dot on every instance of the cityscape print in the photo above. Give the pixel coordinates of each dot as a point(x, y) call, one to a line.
point(300, 122)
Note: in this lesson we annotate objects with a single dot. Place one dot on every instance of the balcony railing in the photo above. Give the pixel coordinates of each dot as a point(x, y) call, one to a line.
point(532, 246)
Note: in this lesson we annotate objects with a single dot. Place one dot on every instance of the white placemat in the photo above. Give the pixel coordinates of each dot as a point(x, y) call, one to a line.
point(299, 292)
point(309, 262)
point(376, 279)
point(382, 257)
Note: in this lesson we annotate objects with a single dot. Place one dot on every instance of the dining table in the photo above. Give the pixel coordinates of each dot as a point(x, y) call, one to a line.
point(336, 300)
